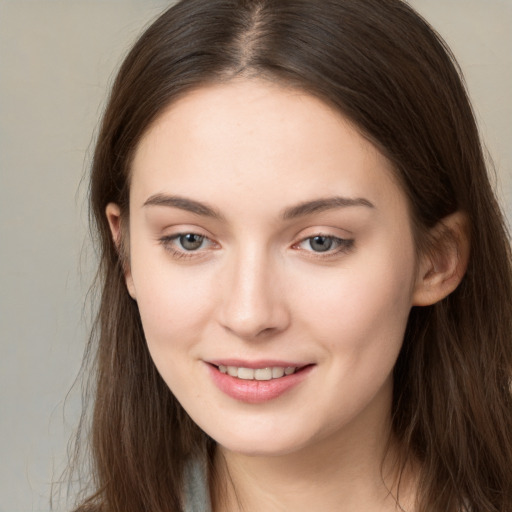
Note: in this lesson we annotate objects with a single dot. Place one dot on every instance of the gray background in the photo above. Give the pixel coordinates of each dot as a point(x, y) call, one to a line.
point(56, 61)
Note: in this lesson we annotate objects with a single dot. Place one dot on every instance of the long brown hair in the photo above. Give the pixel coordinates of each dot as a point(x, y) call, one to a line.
point(382, 66)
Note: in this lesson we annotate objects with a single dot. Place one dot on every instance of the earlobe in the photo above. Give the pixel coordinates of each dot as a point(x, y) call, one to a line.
point(442, 268)
point(113, 213)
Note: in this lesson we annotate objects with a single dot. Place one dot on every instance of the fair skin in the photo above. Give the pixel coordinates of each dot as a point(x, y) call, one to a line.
point(265, 231)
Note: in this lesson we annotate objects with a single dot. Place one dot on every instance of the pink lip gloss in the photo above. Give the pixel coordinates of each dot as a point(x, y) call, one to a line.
point(256, 391)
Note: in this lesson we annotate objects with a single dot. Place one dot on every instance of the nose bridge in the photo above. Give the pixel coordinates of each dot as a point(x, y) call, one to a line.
point(253, 302)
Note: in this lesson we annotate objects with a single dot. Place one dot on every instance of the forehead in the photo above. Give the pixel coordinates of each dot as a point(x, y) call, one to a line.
point(258, 139)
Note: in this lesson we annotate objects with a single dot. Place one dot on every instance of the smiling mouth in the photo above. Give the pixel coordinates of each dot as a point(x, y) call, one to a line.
point(269, 373)
point(263, 382)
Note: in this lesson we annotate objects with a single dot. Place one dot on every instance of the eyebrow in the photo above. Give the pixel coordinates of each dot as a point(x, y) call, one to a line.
point(184, 203)
point(300, 210)
point(320, 205)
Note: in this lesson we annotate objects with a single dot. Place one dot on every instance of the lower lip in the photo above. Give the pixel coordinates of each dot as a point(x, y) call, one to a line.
point(256, 391)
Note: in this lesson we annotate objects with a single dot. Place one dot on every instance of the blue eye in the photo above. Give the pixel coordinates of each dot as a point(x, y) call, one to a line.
point(325, 244)
point(190, 241)
point(321, 243)
point(186, 245)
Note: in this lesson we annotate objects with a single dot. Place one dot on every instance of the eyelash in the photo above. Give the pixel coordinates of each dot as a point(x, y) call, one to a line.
point(343, 245)
point(167, 242)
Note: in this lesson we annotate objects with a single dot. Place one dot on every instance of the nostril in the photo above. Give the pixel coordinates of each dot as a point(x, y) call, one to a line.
point(246, 331)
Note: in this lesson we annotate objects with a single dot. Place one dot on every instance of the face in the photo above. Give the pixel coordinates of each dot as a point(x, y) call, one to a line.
point(273, 264)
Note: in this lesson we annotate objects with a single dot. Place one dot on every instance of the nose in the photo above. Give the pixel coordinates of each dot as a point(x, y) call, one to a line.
point(254, 302)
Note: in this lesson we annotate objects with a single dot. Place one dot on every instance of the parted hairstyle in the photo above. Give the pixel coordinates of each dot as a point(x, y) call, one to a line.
point(380, 65)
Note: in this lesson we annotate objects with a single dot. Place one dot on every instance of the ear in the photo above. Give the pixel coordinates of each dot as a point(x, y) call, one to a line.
point(113, 213)
point(442, 267)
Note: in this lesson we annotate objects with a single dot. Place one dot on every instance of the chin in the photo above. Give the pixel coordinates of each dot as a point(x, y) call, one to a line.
point(262, 443)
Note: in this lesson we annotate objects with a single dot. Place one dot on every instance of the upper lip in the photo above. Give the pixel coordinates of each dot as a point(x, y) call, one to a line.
point(261, 363)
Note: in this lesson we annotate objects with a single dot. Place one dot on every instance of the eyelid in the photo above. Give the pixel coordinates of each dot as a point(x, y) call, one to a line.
point(168, 243)
point(344, 245)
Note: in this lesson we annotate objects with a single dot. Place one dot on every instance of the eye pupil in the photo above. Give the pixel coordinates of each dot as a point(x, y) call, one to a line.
point(320, 243)
point(191, 241)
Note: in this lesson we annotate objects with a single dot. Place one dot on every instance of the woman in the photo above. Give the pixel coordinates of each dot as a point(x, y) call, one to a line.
point(306, 278)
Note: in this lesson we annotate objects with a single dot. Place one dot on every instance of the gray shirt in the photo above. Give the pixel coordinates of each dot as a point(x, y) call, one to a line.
point(197, 496)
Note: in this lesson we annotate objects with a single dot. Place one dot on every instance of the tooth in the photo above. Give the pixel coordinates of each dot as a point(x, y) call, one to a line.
point(277, 372)
point(263, 374)
point(268, 373)
point(246, 373)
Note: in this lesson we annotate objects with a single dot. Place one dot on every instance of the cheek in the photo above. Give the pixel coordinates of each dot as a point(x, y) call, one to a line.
point(366, 302)
point(172, 300)
point(174, 312)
